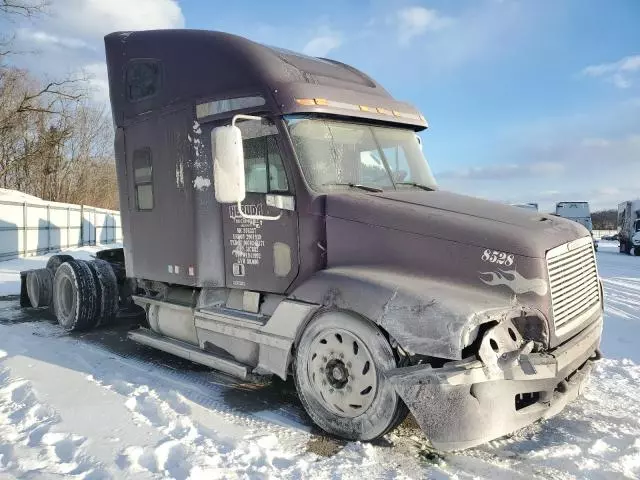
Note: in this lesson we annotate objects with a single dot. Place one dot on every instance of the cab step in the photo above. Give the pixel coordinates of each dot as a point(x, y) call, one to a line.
point(190, 352)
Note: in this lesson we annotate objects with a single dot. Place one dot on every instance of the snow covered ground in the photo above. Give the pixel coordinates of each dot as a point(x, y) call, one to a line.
point(96, 406)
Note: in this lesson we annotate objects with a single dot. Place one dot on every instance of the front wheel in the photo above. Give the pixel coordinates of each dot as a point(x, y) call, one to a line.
point(339, 374)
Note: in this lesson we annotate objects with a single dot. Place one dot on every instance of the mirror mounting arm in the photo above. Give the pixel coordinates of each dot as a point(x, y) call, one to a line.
point(243, 117)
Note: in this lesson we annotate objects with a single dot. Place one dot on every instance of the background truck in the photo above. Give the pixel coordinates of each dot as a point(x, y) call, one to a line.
point(629, 226)
point(280, 218)
point(578, 212)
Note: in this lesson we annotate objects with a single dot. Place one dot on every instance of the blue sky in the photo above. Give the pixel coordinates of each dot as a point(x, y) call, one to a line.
point(528, 100)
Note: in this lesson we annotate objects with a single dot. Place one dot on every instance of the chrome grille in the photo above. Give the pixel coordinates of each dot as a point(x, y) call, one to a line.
point(573, 278)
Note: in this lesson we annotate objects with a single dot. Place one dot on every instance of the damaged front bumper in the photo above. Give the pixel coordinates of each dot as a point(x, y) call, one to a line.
point(467, 403)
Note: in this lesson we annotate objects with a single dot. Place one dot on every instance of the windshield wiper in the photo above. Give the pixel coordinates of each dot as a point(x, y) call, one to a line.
point(356, 185)
point(418, 185)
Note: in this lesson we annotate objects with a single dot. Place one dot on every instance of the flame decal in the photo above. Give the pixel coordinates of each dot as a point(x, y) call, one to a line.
point(516, 282)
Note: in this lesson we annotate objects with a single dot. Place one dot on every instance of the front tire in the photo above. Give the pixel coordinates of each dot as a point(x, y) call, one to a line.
point(339, 375)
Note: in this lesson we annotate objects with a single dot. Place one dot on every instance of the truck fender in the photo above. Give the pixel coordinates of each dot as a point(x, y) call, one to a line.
point(424, 316)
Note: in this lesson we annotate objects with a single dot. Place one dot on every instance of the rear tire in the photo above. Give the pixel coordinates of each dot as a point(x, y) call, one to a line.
point(338, 372)
point(75, 296)
point(40, 287)
point(55, 261)
point(106, 290)
point(53, 264)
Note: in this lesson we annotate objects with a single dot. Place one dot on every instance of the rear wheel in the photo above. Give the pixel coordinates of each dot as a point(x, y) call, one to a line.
point(40, 287)
point(55, 261)
point(107, 291)
point(53, 264)
point(338, 372)
point(75, 296)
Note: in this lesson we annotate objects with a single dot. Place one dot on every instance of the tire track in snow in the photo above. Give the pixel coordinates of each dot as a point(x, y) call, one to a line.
point(621, 297)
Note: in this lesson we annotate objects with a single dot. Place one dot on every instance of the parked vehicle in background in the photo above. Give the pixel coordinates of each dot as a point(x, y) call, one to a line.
point(629, 226)
point(578, 212)
point(308, 237)
point(531, 206)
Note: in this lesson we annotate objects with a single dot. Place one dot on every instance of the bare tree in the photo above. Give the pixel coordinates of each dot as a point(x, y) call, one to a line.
point(54, 143)
point(9, 9)
point(23, 8)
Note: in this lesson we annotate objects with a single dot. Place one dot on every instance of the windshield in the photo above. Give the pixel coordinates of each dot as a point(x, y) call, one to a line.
point(334, 154)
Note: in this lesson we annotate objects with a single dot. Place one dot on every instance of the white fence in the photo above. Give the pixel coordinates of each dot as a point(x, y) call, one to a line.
point(33, 228)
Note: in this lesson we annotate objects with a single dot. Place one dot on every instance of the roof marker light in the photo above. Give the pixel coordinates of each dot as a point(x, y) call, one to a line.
point(309, 102)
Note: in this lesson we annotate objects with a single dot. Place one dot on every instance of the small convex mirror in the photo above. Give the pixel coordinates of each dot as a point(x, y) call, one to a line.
point(228, 164)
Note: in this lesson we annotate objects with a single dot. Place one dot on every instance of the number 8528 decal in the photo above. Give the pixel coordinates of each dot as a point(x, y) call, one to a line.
point(501, 258)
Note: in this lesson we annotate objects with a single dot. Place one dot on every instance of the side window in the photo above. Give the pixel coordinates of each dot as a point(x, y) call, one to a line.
point(144, 79)
point(143, 178)
point(264, 171)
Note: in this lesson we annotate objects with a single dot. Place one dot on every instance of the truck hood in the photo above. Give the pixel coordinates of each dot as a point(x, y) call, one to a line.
point(457, 218)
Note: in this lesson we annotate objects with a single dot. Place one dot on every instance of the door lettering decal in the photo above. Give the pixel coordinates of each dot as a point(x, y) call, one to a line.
point(246, 242)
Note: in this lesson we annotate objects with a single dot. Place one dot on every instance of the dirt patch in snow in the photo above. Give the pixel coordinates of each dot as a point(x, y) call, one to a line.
point(325, 446)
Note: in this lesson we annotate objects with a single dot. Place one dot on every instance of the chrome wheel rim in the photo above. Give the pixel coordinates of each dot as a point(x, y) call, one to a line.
point(342, 372)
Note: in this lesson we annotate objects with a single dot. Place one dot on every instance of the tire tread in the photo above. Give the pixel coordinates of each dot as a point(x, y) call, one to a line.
point(86, 307)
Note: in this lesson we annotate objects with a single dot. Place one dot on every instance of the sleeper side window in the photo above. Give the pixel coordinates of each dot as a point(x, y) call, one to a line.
point(143, 178)
point(143, 79)
point(264, 170)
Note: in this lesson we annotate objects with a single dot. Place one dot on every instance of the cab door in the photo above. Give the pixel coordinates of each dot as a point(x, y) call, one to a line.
point(262, 255)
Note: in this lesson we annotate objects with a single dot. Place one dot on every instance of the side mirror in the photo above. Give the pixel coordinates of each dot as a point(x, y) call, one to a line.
point(228, 164)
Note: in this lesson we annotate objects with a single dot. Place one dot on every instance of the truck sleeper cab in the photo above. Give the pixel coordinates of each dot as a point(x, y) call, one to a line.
point(280, 219)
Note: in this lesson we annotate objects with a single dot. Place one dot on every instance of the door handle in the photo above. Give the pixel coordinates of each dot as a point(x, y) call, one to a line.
point(283, 202)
